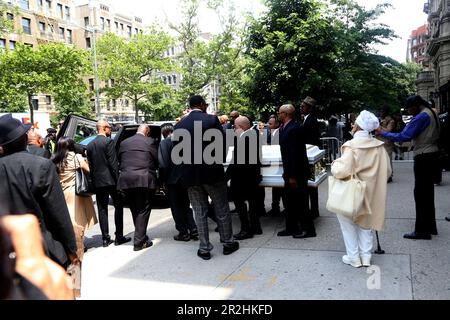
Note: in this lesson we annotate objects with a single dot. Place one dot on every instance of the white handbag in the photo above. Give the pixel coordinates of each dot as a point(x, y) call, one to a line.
point(346, 197)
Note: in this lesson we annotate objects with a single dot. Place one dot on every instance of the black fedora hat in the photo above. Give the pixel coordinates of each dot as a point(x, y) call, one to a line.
point(11, 129)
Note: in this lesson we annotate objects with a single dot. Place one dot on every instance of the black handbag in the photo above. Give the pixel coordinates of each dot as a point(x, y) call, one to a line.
point(83, 184)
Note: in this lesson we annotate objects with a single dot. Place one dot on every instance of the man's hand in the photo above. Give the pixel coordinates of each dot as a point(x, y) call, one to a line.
point(293, 183)
point(73, 258)
point(379, 132)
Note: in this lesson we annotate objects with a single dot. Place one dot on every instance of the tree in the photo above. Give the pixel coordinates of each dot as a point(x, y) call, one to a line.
point(135, 65)
point(218, 61)
point(6, 24)
point(322, 49)
point(53, 68)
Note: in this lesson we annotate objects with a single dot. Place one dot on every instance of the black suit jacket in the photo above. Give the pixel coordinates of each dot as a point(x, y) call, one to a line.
point(245, 174)
point(198, 174)
point(41, 152)
point(103, 163)
point(138, 158)
point(30, 184)
point(312, 130)
point(293, 152)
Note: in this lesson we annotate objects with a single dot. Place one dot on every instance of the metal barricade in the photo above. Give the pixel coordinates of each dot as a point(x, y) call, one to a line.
point(332, 147)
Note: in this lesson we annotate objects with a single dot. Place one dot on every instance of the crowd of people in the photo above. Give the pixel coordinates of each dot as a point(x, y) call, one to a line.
point(38, 179)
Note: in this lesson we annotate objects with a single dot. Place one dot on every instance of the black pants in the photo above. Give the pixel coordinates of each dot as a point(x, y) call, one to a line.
point(249, 218)
point(181, 209)
point(298, 209)
point(102, 198)
point(260, 201)
point(313, 195)
point(424, 193)
point(140, 201)
point(277, 196)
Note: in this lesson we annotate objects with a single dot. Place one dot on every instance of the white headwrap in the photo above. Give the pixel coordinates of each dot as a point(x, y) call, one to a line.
point(367, 121)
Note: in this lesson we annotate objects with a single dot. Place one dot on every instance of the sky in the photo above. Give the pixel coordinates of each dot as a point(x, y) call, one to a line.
point(403, 18)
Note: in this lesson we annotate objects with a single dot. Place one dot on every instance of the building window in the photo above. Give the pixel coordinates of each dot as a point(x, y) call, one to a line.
point(117, 27)
point(88, 43)
point(129, 31)
point(41, 4)
point(169, 78)
point(121, 29)
point(173, 51)
point(24, 4)
point(86, 22)
point(59, 10)
point(91, 84)
point(102, 23)
point(136, 30)
point(174, 79)
point(28, 45)
point(113, 83)
point(48, 6)
point(114, 104)
point(12, 45)
point(62, 35)
point(69, 36)
point(41, 27)
point(48, 100)
point(108, 24)
point(26, 25)
point(10, 16)
point(67, 13)
point(2, 44)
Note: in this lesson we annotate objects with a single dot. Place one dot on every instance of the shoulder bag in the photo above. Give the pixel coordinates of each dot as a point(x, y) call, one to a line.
point(83, 183)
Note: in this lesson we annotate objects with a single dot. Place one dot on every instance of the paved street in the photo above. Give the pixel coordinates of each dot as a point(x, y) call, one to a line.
point(268, 267)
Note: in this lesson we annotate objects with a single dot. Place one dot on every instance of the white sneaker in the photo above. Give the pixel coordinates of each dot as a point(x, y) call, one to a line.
point(352, 262)
point(366, 261)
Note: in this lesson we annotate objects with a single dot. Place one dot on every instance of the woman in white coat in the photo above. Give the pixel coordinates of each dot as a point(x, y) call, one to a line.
point(367, 158)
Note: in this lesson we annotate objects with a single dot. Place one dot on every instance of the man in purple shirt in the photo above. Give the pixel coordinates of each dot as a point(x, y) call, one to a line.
point(423, 131)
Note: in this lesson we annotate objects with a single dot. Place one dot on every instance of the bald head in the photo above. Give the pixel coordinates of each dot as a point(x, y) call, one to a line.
point(243, 123)
point(104, 128)
point(35, 139)
point(144, 129)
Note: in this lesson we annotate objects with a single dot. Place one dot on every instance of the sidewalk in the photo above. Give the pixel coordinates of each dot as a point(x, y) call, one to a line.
point(268, 267)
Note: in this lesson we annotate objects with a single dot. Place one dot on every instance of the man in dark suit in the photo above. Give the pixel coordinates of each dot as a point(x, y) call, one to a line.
point(202, 177)
point(104, 168)
point(36, 144)
point(30, 185)
point(245, 175)
point(295, 175)
point(138, 158)
point(277, 193)
point(233, 116)
point(312, 136)
point(177, 194)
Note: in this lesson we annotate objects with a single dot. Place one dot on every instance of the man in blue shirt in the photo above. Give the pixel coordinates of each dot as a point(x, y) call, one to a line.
point(423, 130)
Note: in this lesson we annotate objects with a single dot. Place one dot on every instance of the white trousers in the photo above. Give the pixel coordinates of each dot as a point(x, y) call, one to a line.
point(358, 241)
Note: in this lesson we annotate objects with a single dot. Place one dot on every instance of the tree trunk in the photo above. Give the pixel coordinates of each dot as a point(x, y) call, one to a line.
point(30, 104)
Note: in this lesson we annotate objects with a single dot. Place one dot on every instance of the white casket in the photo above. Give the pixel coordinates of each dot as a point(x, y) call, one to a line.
point(272, 166)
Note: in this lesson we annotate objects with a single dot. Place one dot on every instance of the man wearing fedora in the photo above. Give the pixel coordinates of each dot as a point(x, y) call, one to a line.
point(312, 136)
point(29, 184)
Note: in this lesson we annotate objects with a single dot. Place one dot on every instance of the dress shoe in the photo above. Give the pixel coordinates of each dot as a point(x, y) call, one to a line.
point(390, 180)
point(146, 244)
point(417, 236)
point(366, 261)
point(182, 237)
point(356, 262)
point(257, 231)
point(243, 235)
point(107, 242)
point(229, 249)
point(447, 218)
point(304, 235)
point(274, 212)
point(193, 234)
point(286, 233)
point(204, 255)
point(121, 240)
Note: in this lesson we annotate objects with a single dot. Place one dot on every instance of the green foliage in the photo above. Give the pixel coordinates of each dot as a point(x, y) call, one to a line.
point(53, 68)
point(218, 60)
point(6, 25)
point(135, 65)
point(323, 49)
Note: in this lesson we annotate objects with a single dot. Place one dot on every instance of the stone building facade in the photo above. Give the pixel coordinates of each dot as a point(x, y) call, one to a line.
point(439, 51)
